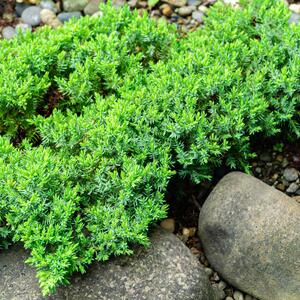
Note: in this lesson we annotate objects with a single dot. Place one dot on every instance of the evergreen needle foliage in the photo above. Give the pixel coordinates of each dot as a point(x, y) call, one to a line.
point(97, 116)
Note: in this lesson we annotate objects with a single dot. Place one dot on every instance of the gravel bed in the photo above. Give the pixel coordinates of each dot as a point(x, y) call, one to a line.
point(23, 15)
point(278, 166)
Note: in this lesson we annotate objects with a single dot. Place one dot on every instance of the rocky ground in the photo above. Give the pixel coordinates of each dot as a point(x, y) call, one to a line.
point(278, 165)
point(29, 14)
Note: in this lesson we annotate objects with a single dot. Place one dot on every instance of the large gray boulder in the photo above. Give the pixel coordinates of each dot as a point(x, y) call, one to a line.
point(251, 235)
point(166, 270)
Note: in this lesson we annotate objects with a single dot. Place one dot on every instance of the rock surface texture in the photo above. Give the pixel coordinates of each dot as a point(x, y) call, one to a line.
point(166, 270)
point(250, 234)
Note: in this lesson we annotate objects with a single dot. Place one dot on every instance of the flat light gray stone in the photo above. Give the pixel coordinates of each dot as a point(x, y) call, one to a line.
point(166, 270)
point(250, 234)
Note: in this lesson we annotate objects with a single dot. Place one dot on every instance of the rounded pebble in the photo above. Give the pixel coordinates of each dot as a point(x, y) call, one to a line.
point(20, 7)
point(47, 15)
point(198, 16)
point(166, 10)
point(8, 32)
point(48, 4)
point(186, 10)
point(294, 19)
point(168, 224)
point(293, 187)
point(31, 15)
point(237, 295)
point(92, 7)
point(23, 27)
point(66, 16)
point(290, 174)
point(295, 8)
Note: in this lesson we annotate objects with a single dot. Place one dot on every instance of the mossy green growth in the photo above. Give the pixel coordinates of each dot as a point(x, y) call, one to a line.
point(97, 116)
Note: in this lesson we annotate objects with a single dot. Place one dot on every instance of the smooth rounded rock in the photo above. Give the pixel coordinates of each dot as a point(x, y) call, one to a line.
point(74, 5)
point(295, 8)
point(66, 16)
point(176, 3)
point(47, 15)
point(48, 4)
point(22, 27)
point(168, 224)
point(8, 32)
point(20, 7)
point(92, 7)
point(166, 270)
point(31, 15)
point(186, 10)
point(294, 19)
point(290, 174)
point(250, 234)
point(198, 16)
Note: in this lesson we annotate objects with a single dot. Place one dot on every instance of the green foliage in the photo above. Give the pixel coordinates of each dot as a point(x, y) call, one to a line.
point(97, 116)
point(93, 55)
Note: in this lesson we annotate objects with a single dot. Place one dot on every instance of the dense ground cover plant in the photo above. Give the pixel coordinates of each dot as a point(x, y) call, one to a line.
point(96, 117)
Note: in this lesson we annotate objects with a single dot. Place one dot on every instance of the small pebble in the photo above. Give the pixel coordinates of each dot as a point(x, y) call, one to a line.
point(294, 19)
point(92, 7)
point(208, 271)
point(203, 8)
point(47, 15)
point(285, 162)
point(290, 174)
point(229, 298)
point(168, 224)
point(31, 15)
point(8, 17)
point(20, 7)
point(194, 2)
point(186, 10)
point(198, 16)
point(74, 5)
point(280, 187)
point(176, 3)
point(237, 295)
point(216, 277)
point(23, 27)
point(166, 10)
point(222, 285)
point(258, 170)
point(48, 4)
point(66, 16)
point(292, 188)
point(265, 157)
point(295, 8)
point(8, 32)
